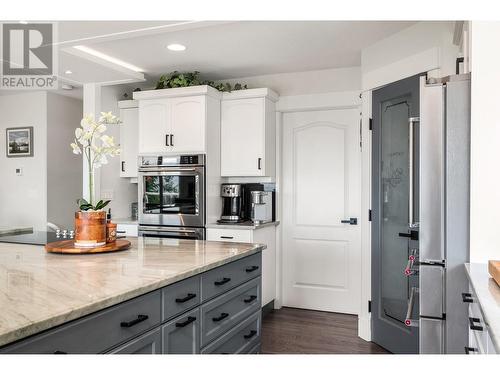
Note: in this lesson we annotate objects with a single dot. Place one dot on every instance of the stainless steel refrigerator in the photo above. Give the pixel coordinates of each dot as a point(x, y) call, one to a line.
point(443, 170)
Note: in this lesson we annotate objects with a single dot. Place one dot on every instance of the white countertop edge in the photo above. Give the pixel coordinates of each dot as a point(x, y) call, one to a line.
point(488, 294)
point(54, 321)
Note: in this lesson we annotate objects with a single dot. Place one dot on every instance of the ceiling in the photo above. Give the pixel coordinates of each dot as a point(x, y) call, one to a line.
point(220, 50)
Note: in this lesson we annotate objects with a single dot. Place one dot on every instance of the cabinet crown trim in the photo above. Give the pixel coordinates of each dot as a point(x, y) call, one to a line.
point(124, 104)
point(251, 93)
point(178, 92)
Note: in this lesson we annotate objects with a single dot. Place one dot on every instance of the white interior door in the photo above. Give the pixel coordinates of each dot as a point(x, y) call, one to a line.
point(321, 187)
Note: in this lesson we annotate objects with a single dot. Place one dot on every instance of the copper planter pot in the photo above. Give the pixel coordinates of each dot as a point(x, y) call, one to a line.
point(90, 228)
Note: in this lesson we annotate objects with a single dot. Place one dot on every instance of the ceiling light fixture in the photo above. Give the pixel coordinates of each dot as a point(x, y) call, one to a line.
point(108, 58)
point(176, 47)
point(68, 72)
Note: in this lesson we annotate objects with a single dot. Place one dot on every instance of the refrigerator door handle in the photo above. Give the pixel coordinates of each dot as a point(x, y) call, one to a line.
point(411, 167)
point(408, 320)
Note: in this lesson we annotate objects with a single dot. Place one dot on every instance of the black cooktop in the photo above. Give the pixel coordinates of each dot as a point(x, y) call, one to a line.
point(35, 238)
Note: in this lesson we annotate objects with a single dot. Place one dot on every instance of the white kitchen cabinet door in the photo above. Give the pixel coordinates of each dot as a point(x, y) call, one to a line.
point(187, 124)
point(129, 132)
point(154, 126)
point(243, 137)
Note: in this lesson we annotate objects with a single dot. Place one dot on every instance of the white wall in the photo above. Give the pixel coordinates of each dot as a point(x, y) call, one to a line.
point(485, 142)
point(64, 169)
point(303, 83)
point(123, 192)
point(23, 199)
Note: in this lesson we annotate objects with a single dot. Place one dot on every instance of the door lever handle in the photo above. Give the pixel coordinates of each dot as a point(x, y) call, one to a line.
point(413, 235)
point(350, 221)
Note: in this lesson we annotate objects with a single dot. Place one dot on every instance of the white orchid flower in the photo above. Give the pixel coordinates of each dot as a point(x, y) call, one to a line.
point(107, 141)
point(101, 128)
point(108, 118)
point(76, 148)
point(78, 133)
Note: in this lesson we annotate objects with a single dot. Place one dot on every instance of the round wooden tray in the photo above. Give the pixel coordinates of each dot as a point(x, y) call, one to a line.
point(68, 247)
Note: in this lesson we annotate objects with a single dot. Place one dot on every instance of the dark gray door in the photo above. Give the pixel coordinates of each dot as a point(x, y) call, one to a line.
point(395, 110)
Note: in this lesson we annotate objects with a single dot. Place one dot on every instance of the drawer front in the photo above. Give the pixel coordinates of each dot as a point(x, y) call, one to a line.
point(229, 235)
point(149, 343)
point(431, 336)
point(180, 297)
point(477, 326)
point(182, 334)
point(491, 347)
point(224, 312)
point(474, 347)
point(129, 230)
point(224, 278)
point(244, 338)
point(97, 332)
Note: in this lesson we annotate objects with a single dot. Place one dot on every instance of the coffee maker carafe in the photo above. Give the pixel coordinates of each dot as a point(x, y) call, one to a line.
point(231, 203)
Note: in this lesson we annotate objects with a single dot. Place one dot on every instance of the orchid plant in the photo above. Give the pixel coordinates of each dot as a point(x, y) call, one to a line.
point(96, 146)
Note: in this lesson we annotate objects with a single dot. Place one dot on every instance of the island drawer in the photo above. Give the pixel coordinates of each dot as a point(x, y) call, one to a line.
point(180, 297)
point(182, 334)
point(149, 343)
point(244, 338)
point(224, 312)
point(224, 278)
point(98, 332)
point(229, 235)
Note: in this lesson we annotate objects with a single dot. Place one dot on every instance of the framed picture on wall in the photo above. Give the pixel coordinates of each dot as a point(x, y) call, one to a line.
point(19, 142)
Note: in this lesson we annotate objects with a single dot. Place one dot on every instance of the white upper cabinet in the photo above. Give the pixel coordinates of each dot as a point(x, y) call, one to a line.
point(129, 131)
point(248, 133)
point(177, 120)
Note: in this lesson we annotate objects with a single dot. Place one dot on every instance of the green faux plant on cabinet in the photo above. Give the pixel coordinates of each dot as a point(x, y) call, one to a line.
point(178, 79)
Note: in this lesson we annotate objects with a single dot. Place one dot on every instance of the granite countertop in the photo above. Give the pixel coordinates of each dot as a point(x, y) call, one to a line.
point(243, 225)
point(8, 231)
point(488, 294)
point(39, 290)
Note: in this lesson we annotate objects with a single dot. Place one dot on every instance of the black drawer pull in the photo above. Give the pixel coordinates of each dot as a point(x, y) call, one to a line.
point(251, 334)
point(140, 318)
point(59, 352)
point(185, 299)
point(123, 166)
point(225, 280)
point(189, 320)
point(227, 237)
point(467, 298)
point(220, 317)
point(250, 299)
point(251, 269)
point(469, 350)
point(473, 326)
point(121, 231)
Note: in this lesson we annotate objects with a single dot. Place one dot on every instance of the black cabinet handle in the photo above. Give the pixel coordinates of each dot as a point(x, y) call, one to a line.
point(413, 235)
point(171, 139)
point(123, 166)
point(251, 334)
point(251, 269)
point(140, 318)
point(250, 299)
point(222, 316)
point(227, 237)
point(468, 349)
point(467, 298)
point(189, 320)
point(473, 326)
point(185, 299)
point(259, 163)
point(59, 352)
point(121, 231)
point(166, 140)
point(350, 221)
point(225, 280)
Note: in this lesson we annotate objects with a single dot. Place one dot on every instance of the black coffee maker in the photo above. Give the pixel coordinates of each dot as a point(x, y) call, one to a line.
point(231, 204)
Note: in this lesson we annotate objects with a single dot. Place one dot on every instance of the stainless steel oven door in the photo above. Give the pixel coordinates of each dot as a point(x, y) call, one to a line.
point(172, 232)
point(172, 196)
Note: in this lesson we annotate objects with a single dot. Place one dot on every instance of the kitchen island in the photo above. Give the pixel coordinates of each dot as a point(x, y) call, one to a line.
point(110, 302)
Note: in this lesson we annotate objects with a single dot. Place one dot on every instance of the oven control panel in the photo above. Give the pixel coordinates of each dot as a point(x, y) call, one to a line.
point(172, 160)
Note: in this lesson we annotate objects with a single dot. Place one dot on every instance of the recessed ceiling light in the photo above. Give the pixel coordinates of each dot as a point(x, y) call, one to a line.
point(23, 22)
point(108, 58)
point(68, 72)
point(176, 47)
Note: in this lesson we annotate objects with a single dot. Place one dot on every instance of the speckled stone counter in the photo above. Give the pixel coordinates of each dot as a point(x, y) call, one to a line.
point(39, 291)
point(488, 295)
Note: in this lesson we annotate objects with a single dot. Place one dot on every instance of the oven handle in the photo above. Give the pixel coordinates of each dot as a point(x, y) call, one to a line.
point(170, 170)
point(168, 230)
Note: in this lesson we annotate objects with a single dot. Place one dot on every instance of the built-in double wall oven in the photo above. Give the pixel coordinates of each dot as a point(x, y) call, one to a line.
point(172, 196)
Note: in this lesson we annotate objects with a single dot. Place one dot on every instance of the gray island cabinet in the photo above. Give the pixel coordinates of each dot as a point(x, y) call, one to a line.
point(218, 311)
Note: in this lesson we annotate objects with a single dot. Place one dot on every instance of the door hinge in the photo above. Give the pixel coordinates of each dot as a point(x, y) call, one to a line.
point(361, 134)
point(369, 306)
point(370, 215)
point(370, 124)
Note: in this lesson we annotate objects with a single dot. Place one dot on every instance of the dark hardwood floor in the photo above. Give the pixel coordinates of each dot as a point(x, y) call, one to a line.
point(297, 331)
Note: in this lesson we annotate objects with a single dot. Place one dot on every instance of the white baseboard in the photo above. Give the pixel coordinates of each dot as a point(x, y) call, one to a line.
point(364, 327)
